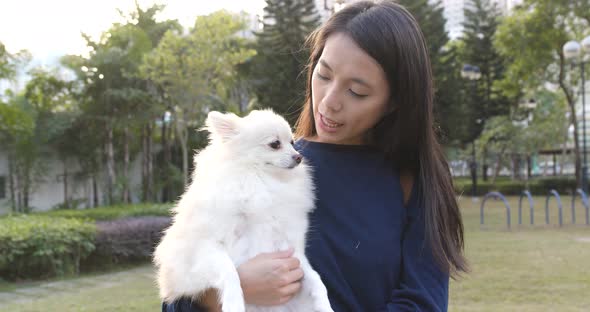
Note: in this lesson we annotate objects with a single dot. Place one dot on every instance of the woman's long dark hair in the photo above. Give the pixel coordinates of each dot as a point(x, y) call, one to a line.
point(390, 34)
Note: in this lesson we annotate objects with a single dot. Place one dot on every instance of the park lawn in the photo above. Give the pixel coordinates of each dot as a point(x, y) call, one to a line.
point(541, 268)
point(525, 269)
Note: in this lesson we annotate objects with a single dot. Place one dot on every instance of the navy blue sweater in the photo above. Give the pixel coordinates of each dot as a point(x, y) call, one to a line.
point(368, 248)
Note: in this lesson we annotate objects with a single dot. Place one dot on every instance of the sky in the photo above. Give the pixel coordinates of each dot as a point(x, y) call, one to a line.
point(52, 28)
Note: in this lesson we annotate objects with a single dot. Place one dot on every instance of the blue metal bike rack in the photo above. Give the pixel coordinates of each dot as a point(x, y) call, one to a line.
point(531, 206)
point(554, 193)
point(584, 202)
point(495, 195)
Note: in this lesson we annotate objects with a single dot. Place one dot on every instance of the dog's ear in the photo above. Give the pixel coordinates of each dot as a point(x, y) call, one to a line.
point(222, 126)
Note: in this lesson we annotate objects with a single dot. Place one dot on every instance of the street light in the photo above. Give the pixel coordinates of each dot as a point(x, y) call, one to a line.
point(573, 50)
point(472, 72)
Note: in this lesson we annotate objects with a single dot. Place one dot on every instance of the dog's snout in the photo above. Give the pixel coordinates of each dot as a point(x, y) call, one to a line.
point(297, 158)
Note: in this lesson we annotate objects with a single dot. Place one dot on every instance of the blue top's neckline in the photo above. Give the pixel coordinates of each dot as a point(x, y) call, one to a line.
point(337, 147)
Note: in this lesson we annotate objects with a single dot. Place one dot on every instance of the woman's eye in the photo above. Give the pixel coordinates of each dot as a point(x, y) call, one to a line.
point(321, 77)
point(275, 145)
point(356, 94)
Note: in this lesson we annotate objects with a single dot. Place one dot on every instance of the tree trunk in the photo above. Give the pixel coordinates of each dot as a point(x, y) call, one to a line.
point(529, 168)
point(150, 164)
point(484, 158)
point(572, 105)
point(126, 196)
point(18, 188)
point(182, 134)
point(147, 164)
point(66, 197)
point(94, 191)
point(110, 163)
point(165, 159)
point(11, 182)
point(516, 174)
point(144, 183)
point(497, 166)
point(26, 190)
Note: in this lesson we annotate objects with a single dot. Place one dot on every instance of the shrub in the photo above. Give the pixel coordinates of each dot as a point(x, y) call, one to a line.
point(40, 246)
point(125, 241)
point(112, 212)
point(538, 186)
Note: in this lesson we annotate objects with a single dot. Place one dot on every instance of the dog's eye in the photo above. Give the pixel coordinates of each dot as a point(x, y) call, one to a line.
point(292, 142)
point(275, 145)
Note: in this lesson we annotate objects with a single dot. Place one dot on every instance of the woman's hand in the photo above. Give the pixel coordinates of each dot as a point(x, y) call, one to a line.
point(270, 278)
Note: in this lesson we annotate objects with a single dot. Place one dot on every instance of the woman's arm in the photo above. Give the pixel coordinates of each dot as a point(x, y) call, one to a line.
point(423, 286)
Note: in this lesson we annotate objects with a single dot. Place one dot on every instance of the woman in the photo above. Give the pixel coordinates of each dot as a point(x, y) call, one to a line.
point(387, 233)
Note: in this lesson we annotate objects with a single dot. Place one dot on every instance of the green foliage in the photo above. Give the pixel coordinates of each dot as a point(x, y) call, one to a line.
point(532, 39)
point(277, 69)
point(450, 108)
point(195, 69)
point(483, 98)
point(11, 62)
point(33, 246)
point(111, 212)
point(15, 124)
point(537, 186)
point(196, 73)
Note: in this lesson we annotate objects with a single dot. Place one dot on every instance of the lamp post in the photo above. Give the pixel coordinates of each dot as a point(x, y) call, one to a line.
point(573, 50)
point(472, 73)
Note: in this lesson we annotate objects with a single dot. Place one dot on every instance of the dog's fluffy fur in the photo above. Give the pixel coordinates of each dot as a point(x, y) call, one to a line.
point(246, 197)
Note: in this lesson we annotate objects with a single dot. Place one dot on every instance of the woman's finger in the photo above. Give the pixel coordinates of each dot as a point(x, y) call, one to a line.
point(290, 289)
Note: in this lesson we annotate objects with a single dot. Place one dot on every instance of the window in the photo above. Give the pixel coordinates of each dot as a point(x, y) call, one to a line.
point(2, 187)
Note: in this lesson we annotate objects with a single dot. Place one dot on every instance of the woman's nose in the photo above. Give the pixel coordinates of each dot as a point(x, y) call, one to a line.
point(332, 100)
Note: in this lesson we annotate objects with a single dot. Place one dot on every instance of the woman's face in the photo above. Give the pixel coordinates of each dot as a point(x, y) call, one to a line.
point(350, 93)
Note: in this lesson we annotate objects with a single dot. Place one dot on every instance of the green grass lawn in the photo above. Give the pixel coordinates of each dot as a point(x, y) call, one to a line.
point(541, 268)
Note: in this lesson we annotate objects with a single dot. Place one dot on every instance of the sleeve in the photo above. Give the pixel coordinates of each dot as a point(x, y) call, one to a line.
point(182, 305)
point(423, 286)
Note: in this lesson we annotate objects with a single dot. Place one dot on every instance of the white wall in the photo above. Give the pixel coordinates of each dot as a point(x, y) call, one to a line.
point(50, 191)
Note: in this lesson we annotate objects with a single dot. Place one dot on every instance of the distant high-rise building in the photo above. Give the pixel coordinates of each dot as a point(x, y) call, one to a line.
point(454, 12)
point(327, 7)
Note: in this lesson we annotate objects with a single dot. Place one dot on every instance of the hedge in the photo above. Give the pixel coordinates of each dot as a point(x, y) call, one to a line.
point(126, 240)
point(68, 241)
point(112, 212)
point(41, 246)
point(539, 186)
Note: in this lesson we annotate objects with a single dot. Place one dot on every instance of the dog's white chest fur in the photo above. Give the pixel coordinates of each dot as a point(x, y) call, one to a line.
point(246, 198)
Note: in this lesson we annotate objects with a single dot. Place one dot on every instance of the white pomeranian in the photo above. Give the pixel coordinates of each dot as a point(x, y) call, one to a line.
point(250, 193)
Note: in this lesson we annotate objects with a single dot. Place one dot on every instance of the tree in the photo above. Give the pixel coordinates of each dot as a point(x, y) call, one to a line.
point(154, 108)
point(195, 71)
point(10, 63)
point(482, 18)
point(277, 68)
point(525, 131)
point(532, 39)
point(115, 94)
point(55, 111)
point(443, 56)
point(16, 126)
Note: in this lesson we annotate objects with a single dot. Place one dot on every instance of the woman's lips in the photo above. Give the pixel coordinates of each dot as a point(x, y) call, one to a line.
point(328, 124)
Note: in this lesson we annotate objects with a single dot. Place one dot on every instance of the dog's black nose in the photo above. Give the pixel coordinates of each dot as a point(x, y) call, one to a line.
point(297, 158)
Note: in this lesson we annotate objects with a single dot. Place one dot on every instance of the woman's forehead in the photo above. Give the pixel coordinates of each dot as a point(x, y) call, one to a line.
point(343, 56)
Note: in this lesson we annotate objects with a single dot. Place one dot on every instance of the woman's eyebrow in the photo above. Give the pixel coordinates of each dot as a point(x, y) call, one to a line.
point(357, 80)
point(325, 64)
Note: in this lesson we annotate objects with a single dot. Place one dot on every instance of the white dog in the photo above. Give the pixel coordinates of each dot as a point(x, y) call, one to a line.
point(249, 194)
